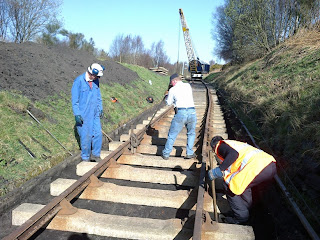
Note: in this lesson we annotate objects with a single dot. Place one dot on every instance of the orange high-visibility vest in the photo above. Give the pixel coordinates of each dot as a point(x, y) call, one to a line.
point(250, 162)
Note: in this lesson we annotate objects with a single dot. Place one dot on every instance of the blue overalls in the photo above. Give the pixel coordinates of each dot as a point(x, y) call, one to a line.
point(87, 102)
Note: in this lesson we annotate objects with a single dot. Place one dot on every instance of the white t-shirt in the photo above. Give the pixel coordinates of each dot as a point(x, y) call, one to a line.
point(180, 95)
point(87, 77)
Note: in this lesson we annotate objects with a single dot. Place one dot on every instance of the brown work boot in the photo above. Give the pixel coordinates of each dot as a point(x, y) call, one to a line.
point(190, 156)
point(95, 159)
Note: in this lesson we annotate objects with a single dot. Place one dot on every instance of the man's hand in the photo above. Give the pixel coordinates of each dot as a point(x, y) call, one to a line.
point(79, 120)
point(215, 173)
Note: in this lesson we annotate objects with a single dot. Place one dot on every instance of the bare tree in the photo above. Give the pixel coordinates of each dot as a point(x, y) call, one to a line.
point(126, 49)
point(145, 59)
point(4, 19)
point(158, 54)
point(115, 50)
point(137, 48)
point(29, 17)
point(223, 34)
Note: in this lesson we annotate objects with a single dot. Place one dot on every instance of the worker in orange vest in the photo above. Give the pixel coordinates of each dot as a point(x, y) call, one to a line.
point(242, 167)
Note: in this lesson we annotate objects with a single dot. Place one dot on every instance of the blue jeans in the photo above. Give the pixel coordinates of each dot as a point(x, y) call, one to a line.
point(90, 137)
point(184, 117)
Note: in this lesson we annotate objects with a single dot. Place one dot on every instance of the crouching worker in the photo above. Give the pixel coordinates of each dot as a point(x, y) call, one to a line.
point(243, 167)
point(87, 109)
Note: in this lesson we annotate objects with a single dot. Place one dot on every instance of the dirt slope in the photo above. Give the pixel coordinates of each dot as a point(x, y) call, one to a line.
point(38, 71)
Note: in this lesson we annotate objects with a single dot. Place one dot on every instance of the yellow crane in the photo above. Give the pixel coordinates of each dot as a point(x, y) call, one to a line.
point(195, 66)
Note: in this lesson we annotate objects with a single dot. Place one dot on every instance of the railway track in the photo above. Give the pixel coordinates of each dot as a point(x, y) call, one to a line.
point(135, 194)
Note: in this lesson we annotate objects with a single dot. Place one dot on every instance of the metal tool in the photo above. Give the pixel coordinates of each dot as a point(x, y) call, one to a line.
point(48, 131)
point(107, 136)
point(148, 126)
point(27, 149)
point(213, 188)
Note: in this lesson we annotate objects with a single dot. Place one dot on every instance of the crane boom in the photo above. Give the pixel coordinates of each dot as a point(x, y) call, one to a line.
point(187, 39)
point(195, 67)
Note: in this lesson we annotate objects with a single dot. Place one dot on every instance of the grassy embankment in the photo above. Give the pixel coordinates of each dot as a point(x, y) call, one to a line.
point(278, 98)
point(17, 165)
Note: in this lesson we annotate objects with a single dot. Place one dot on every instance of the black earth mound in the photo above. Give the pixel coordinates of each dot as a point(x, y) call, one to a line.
point(38, 71)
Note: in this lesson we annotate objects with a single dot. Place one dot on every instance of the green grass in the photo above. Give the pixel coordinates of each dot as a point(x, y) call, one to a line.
point(282, 99)
point(278, 98)
point(16, 164)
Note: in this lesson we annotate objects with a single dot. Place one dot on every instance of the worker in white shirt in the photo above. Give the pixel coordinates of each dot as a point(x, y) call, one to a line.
point(180, 95)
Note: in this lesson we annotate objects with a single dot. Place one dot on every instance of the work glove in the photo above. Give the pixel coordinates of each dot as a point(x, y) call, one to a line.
point(79, 120)
point(101, 114)
point(215, 173)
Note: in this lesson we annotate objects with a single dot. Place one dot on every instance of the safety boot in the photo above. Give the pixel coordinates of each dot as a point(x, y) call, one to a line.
point(190, 156)
point(95, 158)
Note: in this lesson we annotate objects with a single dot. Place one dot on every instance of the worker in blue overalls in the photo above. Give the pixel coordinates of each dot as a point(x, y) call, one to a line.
point(87, 109)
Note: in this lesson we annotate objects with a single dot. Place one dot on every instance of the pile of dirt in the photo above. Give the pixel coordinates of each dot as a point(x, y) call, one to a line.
point(39, 71)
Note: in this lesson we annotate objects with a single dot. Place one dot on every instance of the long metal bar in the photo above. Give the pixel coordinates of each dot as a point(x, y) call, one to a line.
point(27, 149)
point(297, 210)
point(198, 222)
point(107, 135)
point(158, 107)
point(48, 131)
point(213, 189)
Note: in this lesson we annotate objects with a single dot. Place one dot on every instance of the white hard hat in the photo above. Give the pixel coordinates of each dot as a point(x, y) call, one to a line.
point(96, 69)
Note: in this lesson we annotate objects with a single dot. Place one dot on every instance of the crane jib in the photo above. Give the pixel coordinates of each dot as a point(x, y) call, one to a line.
point(196, 68)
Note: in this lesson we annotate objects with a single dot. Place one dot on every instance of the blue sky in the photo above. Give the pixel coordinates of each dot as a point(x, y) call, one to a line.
point(103, 20)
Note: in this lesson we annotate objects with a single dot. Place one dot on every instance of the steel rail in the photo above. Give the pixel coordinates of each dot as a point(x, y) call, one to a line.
point(41, 218)
point(27, 229)
point(199, 215)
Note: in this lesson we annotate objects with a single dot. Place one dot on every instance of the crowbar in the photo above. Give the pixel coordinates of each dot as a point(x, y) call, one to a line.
point(107, 136)
point(47, 131)
point(27, 149)
point(157, 109)
point(213, 188)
